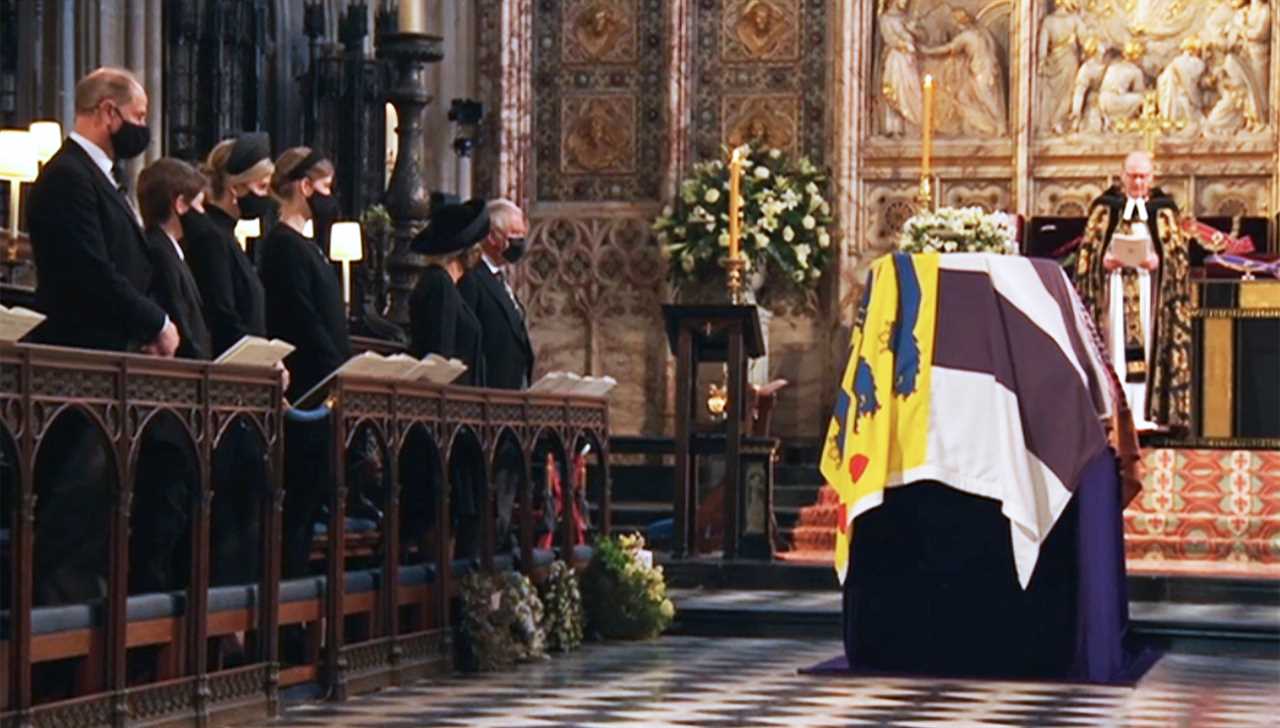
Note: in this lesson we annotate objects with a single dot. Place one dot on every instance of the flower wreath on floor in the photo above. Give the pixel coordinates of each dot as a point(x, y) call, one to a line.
point(959, 230)
point(501, 622)
point(562, 615)
point(624, 593)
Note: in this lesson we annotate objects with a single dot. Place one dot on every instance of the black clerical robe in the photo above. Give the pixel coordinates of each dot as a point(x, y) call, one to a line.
point(91, 259)
point(174, 288)
point(232, 293)
point(442, 323)
point(508, 353)
point(304, 307)
point(1167, 365)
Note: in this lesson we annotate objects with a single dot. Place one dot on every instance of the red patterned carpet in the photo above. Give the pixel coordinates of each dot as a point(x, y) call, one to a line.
point(1200, 512)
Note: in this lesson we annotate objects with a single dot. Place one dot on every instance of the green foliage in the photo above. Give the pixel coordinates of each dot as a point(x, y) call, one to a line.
point(500, 623)
point(625, 598)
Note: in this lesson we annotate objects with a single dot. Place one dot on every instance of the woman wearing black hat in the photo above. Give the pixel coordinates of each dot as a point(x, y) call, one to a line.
point(440, 321)
point(239, 171)
point(303, 295)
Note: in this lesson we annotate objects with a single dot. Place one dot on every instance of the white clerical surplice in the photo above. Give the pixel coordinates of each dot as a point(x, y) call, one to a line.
point(1135, 392)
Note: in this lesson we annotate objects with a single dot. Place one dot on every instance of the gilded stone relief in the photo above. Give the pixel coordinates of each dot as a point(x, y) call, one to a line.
point(1234, 196)
point(1066, 198)
point(600, 134)
point(1205, 63)
point(888, 206)
point(772, 121)
point(599, 31)
point(964, 45)
point(761, 30)
point(991, 196)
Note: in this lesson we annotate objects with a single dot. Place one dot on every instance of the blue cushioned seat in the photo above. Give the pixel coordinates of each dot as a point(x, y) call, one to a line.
point(4, 537)
point(417, 575)
point(542, 558)
point(353, 525)
point(144, 607)
point(583, 552)
point(504, 562)
point(359, 582)
point(301, 590)
point(233, 598)
point(303, 416)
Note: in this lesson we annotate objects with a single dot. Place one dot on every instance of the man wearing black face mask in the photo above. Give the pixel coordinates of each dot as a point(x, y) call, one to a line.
point(508, 353)
point(90, 251)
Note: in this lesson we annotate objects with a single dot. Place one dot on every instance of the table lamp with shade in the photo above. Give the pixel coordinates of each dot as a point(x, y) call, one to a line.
point(346, 246)
point(18, 164)
point(46, 137)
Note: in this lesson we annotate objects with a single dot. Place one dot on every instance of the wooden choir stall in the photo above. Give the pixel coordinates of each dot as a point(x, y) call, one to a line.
point(212, 638)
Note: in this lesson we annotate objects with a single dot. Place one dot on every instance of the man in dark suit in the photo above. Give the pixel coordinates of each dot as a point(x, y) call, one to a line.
point(168, 191)
point(90, 252)
point(93, 273)
point(508, 352)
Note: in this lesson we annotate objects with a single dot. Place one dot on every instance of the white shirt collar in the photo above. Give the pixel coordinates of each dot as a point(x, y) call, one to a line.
point(95, 153)
point(177, 248)
point(493, 267)
point(1135, 204)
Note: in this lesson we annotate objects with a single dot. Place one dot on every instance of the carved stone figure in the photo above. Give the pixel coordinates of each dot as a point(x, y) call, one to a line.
point(595, 142)
point(1255, 31)
point(1061, 33)
point(901, 98)
point(1236, 109)
point(1178, 89)
point(1123, 86)
point(760, 29)
point(978, 82)
point(1085, 114)
point(762, 127)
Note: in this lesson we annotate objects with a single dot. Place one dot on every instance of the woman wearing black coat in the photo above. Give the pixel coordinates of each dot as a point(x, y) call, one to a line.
point(441, 322)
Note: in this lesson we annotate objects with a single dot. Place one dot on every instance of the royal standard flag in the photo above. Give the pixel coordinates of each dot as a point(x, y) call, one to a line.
point(882, 408)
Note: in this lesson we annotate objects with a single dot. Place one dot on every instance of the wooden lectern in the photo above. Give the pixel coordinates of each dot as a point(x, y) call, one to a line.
point(712, 334)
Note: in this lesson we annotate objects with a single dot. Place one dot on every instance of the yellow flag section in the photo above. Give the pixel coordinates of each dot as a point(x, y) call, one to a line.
point(881, 421)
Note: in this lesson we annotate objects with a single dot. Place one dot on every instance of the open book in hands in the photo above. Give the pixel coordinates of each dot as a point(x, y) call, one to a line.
point(1130, 250)
point(256, 351)
point(573, 384)
point(17, 322)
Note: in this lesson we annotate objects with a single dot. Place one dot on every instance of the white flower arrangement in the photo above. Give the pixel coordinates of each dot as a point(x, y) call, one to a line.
point(784, 226)
point(959, 230)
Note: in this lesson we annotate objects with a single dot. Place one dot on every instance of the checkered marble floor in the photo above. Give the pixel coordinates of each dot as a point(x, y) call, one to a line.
point(750, 683)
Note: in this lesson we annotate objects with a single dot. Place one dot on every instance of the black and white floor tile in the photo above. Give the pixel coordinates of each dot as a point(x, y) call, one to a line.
point(753, 683)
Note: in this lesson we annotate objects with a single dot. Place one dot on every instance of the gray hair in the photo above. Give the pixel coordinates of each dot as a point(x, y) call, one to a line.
point(116, 84)
point(503, 214)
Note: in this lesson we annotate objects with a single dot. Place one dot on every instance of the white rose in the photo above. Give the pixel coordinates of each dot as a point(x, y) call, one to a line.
point(824, 239)
point(802, 254)
point(724, 239)
point(762, 173)
point(809, 223)
point(761, 239)
point(679, 231)
point(711, 227)
point(687, 263)
point(712, 195)
point(788, 234)
point(814, 274)
point(811, 188)
point(698, 213)
point(775, 153)
point(769, 223)
point(667, 211)
point(825, 209)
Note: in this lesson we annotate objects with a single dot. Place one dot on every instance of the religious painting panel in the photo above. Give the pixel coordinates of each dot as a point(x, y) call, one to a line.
point(772, 121)
point(599, 107)
point(964, 45)
point(599, 31)
point(1193, 70)
point(760, 75)
point(761, 30)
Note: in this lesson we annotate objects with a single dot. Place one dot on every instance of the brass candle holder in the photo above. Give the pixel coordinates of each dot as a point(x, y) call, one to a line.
point(924, 195)
point(734, 267)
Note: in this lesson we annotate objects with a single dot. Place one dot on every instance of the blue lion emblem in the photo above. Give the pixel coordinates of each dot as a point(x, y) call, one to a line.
point(902, 339)
point(864, 388)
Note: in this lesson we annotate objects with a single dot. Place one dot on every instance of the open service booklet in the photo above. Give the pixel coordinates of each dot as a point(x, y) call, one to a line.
point(432, 369)
point(256, 351)
point(573, 384)
point(17, 322)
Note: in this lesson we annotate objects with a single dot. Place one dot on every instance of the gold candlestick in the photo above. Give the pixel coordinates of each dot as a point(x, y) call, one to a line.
point(735, 263)
point(924, 196)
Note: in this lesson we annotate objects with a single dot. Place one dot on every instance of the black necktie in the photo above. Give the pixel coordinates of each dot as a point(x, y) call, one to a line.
point(502, 276)
point(122, 184)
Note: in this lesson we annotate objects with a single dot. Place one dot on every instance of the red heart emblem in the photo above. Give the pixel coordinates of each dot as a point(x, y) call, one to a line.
point(858, 466)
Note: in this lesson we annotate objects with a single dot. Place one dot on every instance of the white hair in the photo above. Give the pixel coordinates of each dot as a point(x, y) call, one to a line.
point(503, 214)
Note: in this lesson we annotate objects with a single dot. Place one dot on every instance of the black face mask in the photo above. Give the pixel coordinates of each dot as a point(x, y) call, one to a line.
point(514, 250)
point(324, 210)
point(130, 139)
point(254, 207)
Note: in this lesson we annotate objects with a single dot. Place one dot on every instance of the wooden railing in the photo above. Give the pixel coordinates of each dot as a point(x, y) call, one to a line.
point(91, 651)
